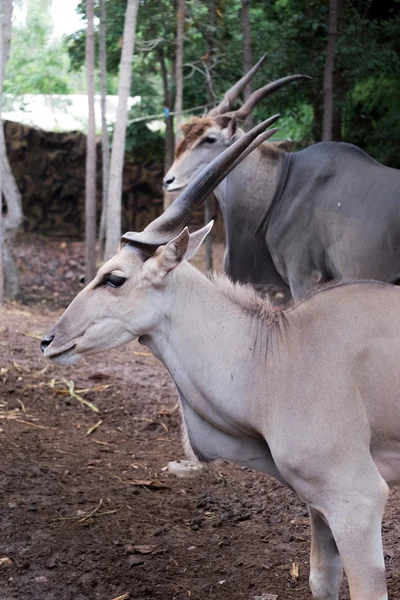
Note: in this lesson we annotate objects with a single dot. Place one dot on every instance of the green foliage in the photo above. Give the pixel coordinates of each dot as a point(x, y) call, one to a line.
point(143, 143)
point(373, 119)
point(294, 33)
point(37, 64)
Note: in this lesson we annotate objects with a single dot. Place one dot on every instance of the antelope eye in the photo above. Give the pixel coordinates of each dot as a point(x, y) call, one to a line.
point(114, 280)
point(210, 140)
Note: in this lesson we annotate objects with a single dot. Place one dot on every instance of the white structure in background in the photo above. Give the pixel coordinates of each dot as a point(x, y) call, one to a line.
point(57, 112)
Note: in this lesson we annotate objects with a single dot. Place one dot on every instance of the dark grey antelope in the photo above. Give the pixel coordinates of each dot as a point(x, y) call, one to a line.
point(295, 219)
point(309, 395)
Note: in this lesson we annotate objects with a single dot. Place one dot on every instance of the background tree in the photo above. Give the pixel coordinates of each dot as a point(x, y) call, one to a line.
point(327, 126)
point(180, 26)
point(247, 54)
point(113, 230)
point(44, 68)
point(105, 141)
point(90, 196)
point(13, 216)
point(295, 35)
point(1, 170)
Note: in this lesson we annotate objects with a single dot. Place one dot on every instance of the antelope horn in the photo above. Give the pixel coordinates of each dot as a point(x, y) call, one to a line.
point(243, 112)
point(235, 90)
point(173, 220)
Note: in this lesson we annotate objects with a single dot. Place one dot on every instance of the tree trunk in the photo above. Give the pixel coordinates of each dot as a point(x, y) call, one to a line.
point(180, 17)
point(118, 147)
point(90, 191)
point(13, 216)
point(309, 13)
point(208, 203)
point(247, 54)
point(169, 122)
point(7, 8)
point(1, 170)
point(339, 81)
point(168, 104)
point(105, 141)
point(327, 126)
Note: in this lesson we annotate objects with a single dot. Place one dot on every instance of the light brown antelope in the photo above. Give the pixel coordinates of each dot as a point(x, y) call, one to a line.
point(295, 219)
point(309, 395)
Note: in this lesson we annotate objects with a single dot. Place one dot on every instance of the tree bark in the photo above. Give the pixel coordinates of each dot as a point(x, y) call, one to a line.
point(208, 203)
point(180, 26)
point(327, 125)
point(168, 104)
point(247, 54)
point(339, 81)
point(169, 121)
point(90, 191)
point(1, 170)
point(13, 216)
point(7, 8)
point(105, 141)
point(118, 147)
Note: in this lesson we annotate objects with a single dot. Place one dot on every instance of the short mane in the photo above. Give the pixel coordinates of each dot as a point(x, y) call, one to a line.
point(247, 298)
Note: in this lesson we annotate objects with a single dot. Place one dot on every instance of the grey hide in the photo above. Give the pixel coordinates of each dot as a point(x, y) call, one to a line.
point(336, 215)
point(297, 219)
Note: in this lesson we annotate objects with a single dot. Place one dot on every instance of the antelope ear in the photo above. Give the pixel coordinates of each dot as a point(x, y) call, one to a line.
point(229, 127)
point(232, 127)
point(174, 252)
point(196, 239)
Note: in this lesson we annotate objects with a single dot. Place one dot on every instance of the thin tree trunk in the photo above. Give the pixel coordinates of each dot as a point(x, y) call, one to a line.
point(247, 54)
point(169, 122)
point(208, 202)
point(339, 82)
point(13, 217)
point(327, 125)
point(118, 147)
point(2, 71)
point(90, 191)
point(7, 8)
point(180, 17)
point(105, 141)
point(168, 104)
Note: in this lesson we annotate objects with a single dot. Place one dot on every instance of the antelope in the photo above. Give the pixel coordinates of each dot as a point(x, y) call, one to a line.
point(295, 219)
point(308, 394)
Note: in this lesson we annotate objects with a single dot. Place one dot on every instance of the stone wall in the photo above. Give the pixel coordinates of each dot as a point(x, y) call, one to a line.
point(49, 169)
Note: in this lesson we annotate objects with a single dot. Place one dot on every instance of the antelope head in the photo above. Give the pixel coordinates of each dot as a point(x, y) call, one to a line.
point(127, 297)
point(206, 137)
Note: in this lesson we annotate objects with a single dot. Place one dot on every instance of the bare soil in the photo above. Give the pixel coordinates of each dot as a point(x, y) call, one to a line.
point(87, 509)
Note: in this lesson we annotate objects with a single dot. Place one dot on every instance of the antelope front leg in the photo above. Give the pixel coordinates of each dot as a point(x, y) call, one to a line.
point(355, 519)
point(326, 569)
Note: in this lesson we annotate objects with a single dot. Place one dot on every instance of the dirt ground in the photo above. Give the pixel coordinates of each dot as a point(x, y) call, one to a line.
point(87, 509)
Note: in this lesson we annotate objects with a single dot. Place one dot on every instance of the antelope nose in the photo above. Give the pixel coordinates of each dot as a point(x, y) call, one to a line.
point(46, 341)
point(168, 179)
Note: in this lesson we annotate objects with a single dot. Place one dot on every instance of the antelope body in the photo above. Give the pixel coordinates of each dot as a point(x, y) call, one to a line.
point(296, 219)
point(309, 395)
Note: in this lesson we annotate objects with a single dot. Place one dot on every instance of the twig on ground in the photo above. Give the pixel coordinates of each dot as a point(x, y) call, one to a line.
point(71, 390)
point(31, 335)
point(94, 427)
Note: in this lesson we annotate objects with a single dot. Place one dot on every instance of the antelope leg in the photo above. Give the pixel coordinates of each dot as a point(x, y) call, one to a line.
point(326, 568)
